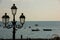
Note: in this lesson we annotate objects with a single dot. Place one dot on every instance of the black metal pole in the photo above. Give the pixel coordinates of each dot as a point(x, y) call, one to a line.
point(13, 33)
point(5, 20)
point(14, 23)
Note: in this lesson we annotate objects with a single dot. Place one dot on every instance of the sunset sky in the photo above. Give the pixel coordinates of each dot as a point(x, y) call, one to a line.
point(34, 10)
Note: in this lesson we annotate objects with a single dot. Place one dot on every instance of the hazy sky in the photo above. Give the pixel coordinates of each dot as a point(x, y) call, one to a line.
point(34, 10)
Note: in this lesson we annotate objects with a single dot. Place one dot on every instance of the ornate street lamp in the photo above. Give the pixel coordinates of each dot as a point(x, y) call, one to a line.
point(14, 10)
point(22, 19)
point(5, 19)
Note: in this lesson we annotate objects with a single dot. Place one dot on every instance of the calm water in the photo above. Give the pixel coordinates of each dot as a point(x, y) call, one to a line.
point(27, 33)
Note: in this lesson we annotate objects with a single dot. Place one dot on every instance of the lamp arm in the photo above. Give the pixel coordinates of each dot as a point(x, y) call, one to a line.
point(19, 26)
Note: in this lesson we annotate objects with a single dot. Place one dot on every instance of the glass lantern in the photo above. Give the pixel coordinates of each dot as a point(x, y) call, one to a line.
point(5, 18)
point(14, 9)
point(22, 19)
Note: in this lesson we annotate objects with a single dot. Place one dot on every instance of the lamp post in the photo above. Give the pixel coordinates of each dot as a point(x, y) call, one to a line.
point(14, 10)
point(5, 19)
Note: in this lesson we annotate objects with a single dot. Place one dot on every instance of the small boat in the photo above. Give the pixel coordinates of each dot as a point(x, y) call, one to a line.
point(35, 30)
point(47, 29)
point(36, 24)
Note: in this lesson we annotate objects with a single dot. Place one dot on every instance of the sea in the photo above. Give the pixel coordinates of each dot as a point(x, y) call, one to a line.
point(53, 29)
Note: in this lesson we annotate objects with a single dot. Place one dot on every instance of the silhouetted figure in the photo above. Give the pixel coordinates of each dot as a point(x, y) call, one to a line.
point(21, 36)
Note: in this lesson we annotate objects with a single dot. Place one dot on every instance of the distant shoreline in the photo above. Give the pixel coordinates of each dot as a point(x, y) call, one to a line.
point(27, 39)
point(37, 21)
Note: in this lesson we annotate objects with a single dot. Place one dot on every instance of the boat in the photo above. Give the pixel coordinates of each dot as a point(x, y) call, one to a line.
point(35, 30)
